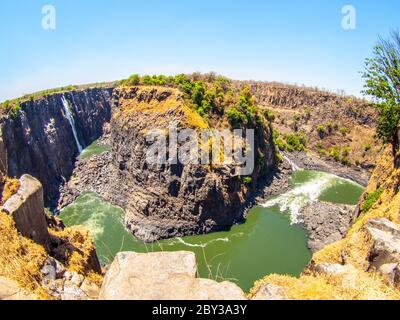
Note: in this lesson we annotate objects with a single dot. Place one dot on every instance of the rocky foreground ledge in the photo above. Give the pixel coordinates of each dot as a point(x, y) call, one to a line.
point(162, 276)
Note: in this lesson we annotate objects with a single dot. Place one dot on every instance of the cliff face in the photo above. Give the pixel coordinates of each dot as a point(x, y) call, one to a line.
point(336, 128)
point(41, 141)
point(172, 199)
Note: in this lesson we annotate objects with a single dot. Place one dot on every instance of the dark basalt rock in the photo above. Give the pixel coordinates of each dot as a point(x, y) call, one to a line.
point(326, 223)
point(169, 200)
point(40, 141)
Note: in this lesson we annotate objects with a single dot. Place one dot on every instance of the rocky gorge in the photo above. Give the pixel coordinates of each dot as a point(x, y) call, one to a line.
point(168, 201)
point(44, 142)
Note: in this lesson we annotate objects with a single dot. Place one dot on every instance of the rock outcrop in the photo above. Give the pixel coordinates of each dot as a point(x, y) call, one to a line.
point(10, 290)
point(27, 209)
point(162, 276)
point(40, 141)
point(270, 292)
point(326, 223)
point(385, 252)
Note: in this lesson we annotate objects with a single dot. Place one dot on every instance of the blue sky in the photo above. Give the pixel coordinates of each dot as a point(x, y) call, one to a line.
point(99, 40)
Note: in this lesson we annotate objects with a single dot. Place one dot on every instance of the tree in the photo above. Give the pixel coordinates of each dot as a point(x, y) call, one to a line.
point(134, 80)
point(382, 82)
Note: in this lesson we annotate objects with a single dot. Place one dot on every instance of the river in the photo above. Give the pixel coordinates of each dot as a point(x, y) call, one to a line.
point(270, 241)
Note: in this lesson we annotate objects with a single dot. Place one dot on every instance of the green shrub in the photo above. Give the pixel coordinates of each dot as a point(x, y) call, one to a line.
point(371, 199)
point(321, 130)
point(345, 161)
point(345, 152)
point(269, 115)
point(296, 118)
point(236, 117)
point(344, 131)
point(133, 80)
point(278, 157)
point(296, 142)
point(334, 153)
point(245, 111)
point(367, 147)
point(247, 180)
point(278, 141)
point(15, 111)
point(329, 126)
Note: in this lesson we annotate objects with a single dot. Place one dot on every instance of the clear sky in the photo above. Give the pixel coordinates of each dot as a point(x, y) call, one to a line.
point(274, 40)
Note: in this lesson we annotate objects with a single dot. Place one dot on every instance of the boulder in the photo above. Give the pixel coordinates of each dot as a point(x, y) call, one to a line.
point(162, 276)
point(270, 292)
point(10, 290)
point(391, 272)
point(72, 286)
point(27, 209)
point(385, 237)
point(333, 269)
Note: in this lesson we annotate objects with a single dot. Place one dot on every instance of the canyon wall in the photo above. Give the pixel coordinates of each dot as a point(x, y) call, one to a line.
point(172, 199)
point(40, 141)
point(338, 129)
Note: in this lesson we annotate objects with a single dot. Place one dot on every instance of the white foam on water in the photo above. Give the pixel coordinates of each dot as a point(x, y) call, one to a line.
point(95, 221)
point(71, 120)
point(300, 196)
point(199, 245)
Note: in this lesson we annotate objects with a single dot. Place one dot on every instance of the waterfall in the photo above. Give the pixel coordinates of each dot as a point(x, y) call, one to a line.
point(294, 166)
point(71, 120)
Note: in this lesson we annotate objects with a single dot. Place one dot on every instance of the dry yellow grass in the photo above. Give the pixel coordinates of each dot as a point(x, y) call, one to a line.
point(161, 113)
point(79, 252)
point(11, 186)
point(20, 258)
point(351, 286)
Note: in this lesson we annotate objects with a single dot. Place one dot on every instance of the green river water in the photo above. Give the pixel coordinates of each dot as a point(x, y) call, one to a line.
point(94, 148)
point(268, 242)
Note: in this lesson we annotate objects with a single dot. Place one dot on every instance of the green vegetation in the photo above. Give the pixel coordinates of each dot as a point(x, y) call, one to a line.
point(245, 111)
point(334, 152)
point(321, 130)
point(269, 115)
point(296, 142)
point(371, 199)
point(11, 108)
point(290, 142)
point(382, 81)
point(278, 157)
point(210, 94)
point(247, 180)
point(344, 131)
point(338, 154)
point(278, 141)
point(329, 126)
